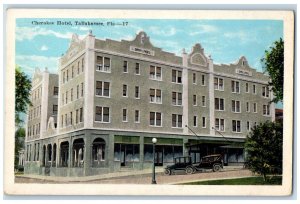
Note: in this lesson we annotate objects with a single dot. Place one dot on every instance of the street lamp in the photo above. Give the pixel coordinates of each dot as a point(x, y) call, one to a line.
point(154, 140)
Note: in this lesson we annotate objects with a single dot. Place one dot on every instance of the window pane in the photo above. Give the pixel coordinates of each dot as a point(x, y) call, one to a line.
point(173, 75)
point(124, 90)
point(179, 77)
point(152, 118)
point(105, 114)
point(179, 120)
point(233, 105)
point(221, 87)
point(106, 88)
point(152, 71)
point(173, 120)
point(174, 98)
point(98, 116)
point(179, 98)
point(221, 104)
point(99, 60)
point(216, 103)
point(158, 119)
point(158, 72)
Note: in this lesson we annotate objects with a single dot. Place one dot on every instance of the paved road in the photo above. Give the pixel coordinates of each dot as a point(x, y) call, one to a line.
point(160, 178)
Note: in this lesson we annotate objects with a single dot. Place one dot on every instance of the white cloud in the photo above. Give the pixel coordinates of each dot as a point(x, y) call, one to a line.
point(163, 32)
point(28, 33)
point(242, 36)
point(203, 28)
point(44, 48)
point(29, 62)
point(170, 46)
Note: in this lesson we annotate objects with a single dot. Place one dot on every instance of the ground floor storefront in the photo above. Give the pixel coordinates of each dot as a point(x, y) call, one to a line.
point(93, 152)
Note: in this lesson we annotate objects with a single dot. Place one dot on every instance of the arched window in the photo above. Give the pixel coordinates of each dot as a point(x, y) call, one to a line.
point(78, 153)
point(64, 154)
point(98, 151)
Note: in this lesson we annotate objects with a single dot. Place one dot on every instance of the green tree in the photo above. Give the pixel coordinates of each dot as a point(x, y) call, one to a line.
point(19, 142)
point(22, 100)
point(264, 148)
point(273, 63)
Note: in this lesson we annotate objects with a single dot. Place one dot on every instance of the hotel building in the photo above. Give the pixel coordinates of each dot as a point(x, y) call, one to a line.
point(115, 96)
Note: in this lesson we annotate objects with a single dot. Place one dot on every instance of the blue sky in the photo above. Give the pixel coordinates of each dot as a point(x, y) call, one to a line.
point(225, 40)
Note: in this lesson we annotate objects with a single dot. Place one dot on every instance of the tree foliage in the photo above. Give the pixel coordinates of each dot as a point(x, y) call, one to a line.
point(22, 100)
point(273, 62)
point(19, 142)
point(264, 148)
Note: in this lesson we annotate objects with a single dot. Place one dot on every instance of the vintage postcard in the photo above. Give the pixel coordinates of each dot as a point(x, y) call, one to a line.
point(149, 102)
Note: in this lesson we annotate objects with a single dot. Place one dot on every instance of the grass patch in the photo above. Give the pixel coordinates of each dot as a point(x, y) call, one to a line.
point(275, 180)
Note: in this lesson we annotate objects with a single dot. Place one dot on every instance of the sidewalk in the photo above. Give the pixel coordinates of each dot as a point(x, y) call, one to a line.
point(114, 175)
point(91, 178)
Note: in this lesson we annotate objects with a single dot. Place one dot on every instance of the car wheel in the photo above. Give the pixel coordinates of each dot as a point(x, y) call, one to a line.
point(216, 167)
point(167, 172)
point(189, 170)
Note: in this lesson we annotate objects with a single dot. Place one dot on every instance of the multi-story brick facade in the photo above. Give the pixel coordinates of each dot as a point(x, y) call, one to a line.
point(116, 96)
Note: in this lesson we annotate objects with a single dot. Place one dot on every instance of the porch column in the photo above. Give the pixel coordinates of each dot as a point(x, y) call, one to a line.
point(141, 152)
point(110, 152)
point(87, 153)
point(46, 155)
point(57, 163)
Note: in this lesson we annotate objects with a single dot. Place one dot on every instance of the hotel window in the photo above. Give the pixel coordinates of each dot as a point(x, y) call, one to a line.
point(102, 88)
point(55, 91)
point(76, 116)
point(71, 118)
point(247, 88)
point(203, 122)
point(203, 80)
point(72, 94)
point(176, 120)
point(254, 89)
point(124, 115)
point(203, 101)
point(248, 125)
point(176, 98)
point(177, 76)
point(137, 116)
point(78, 67)
point(72, 74)
point(236, 106)
point(82, 65)
point(64, 77)
point(125, 66)
point(195, 121)
point(247, 107)
point(266, 110)
point(55, 108)
point(81, 89)
point(137, 68)
point(66, 120)
point(124, 90)
point(137, 92)
point(220, 124)
point(265, 91)
point(155, 119)
point(255, 107)
point(81, 115)
point(194, 78)
point(67, 75)
point(103, 64)
point(194, 100)
point(219, 104)
point(236, 125)
point(219, 84)
point(235, 87)
point(102, 114)
point(155, 95)
point(155, 72)
point(77, 92)
point(66, 97)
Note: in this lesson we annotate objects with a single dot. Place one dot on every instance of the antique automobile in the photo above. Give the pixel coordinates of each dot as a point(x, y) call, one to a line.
point(214, 162)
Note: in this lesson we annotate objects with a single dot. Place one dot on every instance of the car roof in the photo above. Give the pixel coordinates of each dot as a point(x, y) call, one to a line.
point(212, 155)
